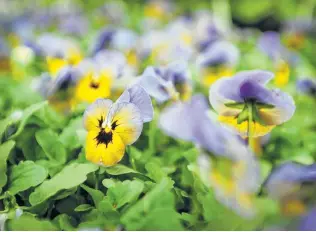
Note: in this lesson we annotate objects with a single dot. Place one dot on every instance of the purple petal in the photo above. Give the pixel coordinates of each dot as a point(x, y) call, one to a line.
point(221, 53)
point(228, 90)
point(286, 176)
point(139, 97)
point(104, 38)
point(178, 120)
point(270, 44)
point(308, 222)
point(252, 90)
point(154, 84)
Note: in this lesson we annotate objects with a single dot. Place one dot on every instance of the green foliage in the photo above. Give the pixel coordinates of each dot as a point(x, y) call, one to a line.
point(25, 175)
point(70, 177)
point(4, 153)
point(30, 222)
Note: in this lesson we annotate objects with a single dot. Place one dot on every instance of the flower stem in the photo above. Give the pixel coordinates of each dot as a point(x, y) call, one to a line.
point(251, 128)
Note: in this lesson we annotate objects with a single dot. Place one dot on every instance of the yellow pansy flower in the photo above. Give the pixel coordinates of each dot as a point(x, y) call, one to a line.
point(92, 87)
point(113, 126)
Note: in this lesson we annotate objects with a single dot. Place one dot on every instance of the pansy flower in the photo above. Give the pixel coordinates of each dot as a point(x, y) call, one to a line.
point(245, 104)
point(59, 52)
point(113, 126)
point(270, 44)
point(126, 41)
point(155, 12)
point(167, 45)
point(207, 29)
point(94, 82)
point(234, 188)
point(59, 91)
point(219, 60)
point(295, 32)
point(167, 82)
point(293, 185)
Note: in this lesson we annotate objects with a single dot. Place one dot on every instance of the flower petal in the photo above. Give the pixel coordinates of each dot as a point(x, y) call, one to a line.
point(284, 108)
point(125, 119)
point(102, 154)
point(231, 123)
point(178, 120)
point(139, 97)
point(220, 53)
point(286, 178)
point(154, 85)
point(227, 90)
point(95, 112)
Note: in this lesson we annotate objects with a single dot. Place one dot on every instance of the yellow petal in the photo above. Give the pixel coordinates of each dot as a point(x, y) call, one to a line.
point(213, 74)
point(242, 128)
point(55, 64)
point(128, 121)
point(96, 112)
point(74, 57)
point(282, 74)
point(293, 208)
point(88, 90)
point(103, 154)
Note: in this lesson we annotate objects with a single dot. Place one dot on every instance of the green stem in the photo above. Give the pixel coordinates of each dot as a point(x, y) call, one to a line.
point(251, 128)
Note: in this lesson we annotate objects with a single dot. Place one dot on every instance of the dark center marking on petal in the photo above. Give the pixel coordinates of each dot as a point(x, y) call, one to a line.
point(94, 85)
point(101, 120)
point(114, 125)
point(104, 137)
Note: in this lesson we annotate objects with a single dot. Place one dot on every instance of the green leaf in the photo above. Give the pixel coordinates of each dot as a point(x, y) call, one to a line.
point(119, 169)
point(155, 211)
point(25, 175)
point(69, 135)
point(50, 117)
point(125, 192)
point(29, 222)
point(96, 195)
point(53, 148)
point(71, 176)
point(4, 123)
point(27, 143)
point(4, 153)
point(28, 112)
point(64, 222)
point(84, 207)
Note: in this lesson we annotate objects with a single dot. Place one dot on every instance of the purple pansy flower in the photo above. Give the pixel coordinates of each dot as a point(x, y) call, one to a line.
point(168, 82)
point(66, 78)
point(220, 53)
point(189, 121)
point(270, 44)
point(293, 185)
point(229, 98)
point(284, 179)
point(54, 46)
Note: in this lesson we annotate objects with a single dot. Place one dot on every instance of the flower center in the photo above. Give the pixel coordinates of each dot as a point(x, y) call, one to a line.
point(94, 84)
point(105, 135)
